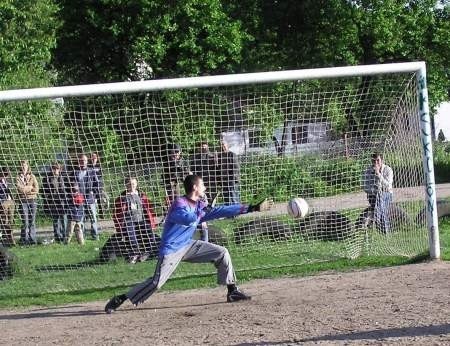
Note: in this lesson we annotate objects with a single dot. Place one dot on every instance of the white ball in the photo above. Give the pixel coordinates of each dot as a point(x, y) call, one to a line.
point(297, 207)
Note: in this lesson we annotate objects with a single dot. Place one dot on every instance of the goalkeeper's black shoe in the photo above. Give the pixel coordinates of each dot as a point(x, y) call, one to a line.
point(114, 303)
point(236, 295)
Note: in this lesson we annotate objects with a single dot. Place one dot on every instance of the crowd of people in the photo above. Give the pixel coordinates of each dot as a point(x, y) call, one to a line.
point(71, 195)
point(220, 171)
point(69, 199)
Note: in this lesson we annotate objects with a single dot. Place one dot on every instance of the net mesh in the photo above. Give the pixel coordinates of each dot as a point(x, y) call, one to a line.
point(311, 139)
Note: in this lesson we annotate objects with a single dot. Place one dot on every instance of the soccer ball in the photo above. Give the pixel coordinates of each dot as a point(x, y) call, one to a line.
point(297, 208)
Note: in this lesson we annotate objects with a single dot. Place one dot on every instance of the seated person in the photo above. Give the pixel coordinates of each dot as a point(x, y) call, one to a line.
point(135, 220)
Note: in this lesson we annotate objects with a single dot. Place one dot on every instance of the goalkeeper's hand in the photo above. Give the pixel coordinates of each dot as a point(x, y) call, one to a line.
point(263, 205)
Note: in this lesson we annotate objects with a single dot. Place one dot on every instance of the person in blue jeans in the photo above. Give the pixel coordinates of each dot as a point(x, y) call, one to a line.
point(75, 216)
point(86, 179)
point(55, 201)
point(378, 180)
point(28, 189)
point(177, 244)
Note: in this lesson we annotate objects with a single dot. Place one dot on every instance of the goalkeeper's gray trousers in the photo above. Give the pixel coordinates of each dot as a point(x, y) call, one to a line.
point(197, 251)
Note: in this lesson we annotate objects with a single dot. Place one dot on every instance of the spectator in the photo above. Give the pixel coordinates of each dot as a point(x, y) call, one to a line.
point(100, 195)
point(228, 168)
point(86, 179)
point(28, 189)
point(378, 179)
point(55, 201)
point(174, 171)
point(6, 209)
point(76, 215)
point(204, 164)
point(135, 220)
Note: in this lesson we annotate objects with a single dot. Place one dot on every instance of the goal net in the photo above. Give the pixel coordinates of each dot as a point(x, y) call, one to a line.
point(277, 135)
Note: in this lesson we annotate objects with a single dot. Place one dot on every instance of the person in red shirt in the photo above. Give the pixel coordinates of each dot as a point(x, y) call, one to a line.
point(135, 220)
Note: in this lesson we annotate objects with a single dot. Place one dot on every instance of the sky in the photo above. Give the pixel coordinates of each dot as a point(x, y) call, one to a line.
point(442, 120)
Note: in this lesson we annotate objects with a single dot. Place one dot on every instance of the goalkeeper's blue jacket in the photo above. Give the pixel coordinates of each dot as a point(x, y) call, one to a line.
point(185, 215)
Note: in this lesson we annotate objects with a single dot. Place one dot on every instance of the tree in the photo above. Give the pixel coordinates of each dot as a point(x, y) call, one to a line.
point(321, 33)
point(441, 136)
point(28, 35)
point(104, 40)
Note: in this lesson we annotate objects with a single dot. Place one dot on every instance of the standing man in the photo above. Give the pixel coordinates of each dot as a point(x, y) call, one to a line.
point(100, 195)
point(135, 220)
point(378, 179)
point(87, 180)
point(204, 164)
point(28, 189)
point(177, 244)
point(6, 209)
point(174, 171)
point(229, 172)
point(55, 201)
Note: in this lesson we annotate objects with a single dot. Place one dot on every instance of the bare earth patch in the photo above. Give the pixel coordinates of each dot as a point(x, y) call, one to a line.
point(406, 305)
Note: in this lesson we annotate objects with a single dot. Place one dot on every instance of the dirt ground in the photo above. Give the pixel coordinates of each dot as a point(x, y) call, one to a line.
point(406, 305)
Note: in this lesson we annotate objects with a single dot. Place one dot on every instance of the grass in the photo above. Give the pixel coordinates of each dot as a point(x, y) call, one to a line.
point(56, 274)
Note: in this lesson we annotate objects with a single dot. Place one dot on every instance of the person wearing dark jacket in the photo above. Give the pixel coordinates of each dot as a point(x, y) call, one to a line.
point(174, 171)
point(229, 174)
point(87, 180)
point(55, 201)
point(100, 195)
point(204, 164)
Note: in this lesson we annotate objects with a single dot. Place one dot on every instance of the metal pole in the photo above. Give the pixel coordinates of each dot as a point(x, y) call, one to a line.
point(430, 188)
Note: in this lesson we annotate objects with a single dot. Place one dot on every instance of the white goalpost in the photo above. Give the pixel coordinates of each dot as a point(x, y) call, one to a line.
point(303, 133)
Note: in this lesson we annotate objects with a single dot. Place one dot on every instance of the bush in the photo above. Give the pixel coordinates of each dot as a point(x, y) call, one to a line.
point(442, 162)
point(300, 175)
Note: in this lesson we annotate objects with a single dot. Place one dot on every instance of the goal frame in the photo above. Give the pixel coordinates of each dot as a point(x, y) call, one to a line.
point(268, 77)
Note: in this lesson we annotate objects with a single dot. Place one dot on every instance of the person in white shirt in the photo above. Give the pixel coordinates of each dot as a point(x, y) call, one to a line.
point(378, 179)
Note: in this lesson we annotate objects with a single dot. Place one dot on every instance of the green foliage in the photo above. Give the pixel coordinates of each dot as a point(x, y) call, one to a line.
point(307, 176)
point(264, 116)
point(444, 235)
point(27, 31)
point(27, 37)
point(318, 33)
point(104, 40)
point(31, 125)
point(337, 118)
point(441, 156)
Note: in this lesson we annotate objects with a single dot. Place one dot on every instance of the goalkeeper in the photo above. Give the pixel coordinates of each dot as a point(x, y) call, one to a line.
point(177, 244)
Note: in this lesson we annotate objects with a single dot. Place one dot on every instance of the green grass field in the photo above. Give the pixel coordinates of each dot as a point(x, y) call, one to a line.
point(57, 274)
